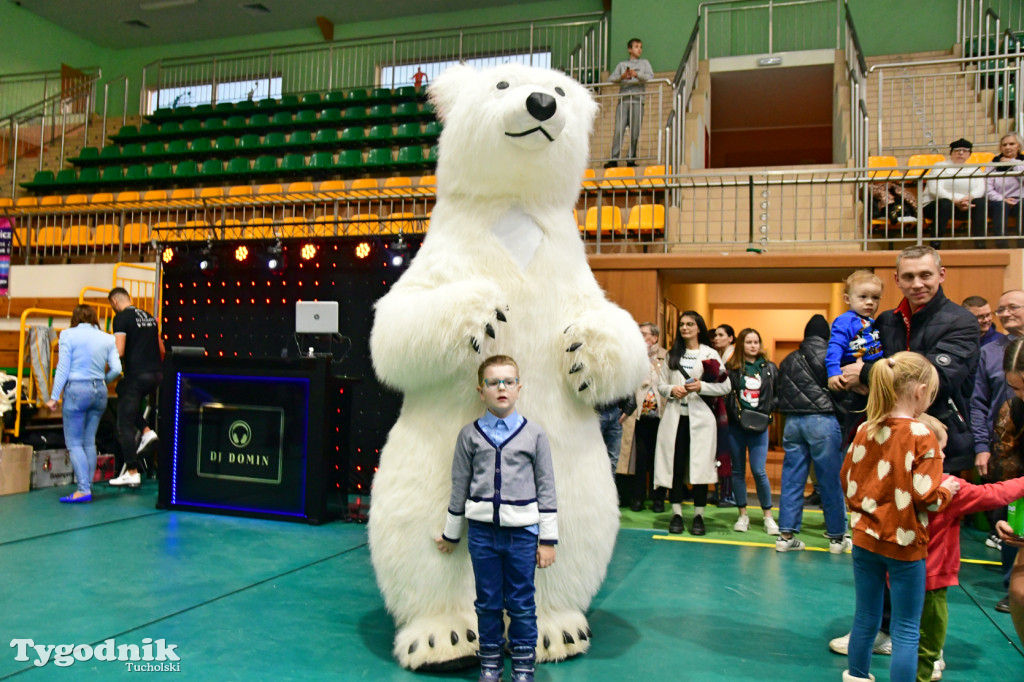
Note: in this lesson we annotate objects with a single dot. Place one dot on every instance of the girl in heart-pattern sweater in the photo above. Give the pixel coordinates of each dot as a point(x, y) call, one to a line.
point(893, 477)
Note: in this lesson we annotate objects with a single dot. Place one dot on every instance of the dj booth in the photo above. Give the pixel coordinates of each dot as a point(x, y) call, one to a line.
point(263, 437)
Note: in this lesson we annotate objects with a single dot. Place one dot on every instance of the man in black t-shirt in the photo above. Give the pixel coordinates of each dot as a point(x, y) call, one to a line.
point(141, 350)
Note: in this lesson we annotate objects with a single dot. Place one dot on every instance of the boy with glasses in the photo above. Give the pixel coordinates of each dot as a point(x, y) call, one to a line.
point(504, 483)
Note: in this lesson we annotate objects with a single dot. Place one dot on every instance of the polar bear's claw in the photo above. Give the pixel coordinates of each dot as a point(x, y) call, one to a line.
point(437, 643)
point(500, 315)
point(562, 635)
point(574, 347)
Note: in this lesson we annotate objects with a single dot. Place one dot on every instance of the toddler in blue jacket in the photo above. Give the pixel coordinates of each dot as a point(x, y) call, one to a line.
point(503, 482)
point(853, 334)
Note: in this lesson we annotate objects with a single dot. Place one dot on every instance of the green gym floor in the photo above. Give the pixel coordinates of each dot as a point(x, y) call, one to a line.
point(248, 599)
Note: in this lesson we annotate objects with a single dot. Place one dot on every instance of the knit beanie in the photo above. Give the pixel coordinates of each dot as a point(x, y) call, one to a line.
point(817, 326)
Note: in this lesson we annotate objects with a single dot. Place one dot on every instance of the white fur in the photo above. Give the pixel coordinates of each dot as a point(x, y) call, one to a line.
point(502, 238)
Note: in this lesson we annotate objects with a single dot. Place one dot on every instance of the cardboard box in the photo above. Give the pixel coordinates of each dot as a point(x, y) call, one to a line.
point(15, 468)
point(104, 468)
point(51, 468)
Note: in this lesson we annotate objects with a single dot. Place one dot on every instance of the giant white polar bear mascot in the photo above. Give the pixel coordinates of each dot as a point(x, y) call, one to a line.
point(502, 270)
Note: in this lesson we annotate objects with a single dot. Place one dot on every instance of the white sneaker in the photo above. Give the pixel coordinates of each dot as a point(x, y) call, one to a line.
point(993, 541)
point(742, 524)
point(770, 526)
point(147, 438)
point(882, 645)
point(940, 665)
point(790, 545)
point(840, 545)
point(126, 479)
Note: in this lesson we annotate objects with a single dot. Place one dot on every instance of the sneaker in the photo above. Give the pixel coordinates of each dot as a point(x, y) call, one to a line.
point(742, 524)
point(770, 526)
point(939, 666)
point(882, 645)
point(840, 545)
point(993, 541)
point(147, 438)
point(1003, 605)
point(675, 526)
point(790, 545)
point(126, 479)
point(697, 527)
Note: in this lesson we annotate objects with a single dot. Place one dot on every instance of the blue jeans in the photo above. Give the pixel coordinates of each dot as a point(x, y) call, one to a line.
point(906, 580)
point(611, 430)
point(740, 441)
point(807, 438)
point(84, 403)
point(504, 560)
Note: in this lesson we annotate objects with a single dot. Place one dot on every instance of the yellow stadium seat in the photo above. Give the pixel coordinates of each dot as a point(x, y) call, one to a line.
point(270, 189)
point(167, 231)
point(136, 233)
point(27, 202)
point(326, 225)
point(6, 202)
point(101, 198)
point(51, 201)
point(883, 162)
point(241, 193)
point(73, 199)
point(78, 235)
point(127, 197)
point(608, 220)
point(588, 178)
point(231, 228)
point(922, 160)
point(404, 223)
point(364, 223)
point(197, 230)
point(654, 172)
point(334, 189)
point(49, 237)
point(106, 234)
point(646, 219)
point(405, 185)
point(293, 227)
point(260, 228)
point(211, 192)
point(619, 178)
point(364, 187)
point(155, 196)
point(981, 157)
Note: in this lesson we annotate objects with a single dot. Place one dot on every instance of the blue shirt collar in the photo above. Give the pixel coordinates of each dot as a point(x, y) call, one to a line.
point(511, 422)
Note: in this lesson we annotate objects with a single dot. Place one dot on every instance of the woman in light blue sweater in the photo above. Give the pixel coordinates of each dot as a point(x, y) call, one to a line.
point(87, 362)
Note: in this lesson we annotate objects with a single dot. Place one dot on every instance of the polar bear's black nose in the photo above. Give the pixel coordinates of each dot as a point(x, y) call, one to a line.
point(541, 106)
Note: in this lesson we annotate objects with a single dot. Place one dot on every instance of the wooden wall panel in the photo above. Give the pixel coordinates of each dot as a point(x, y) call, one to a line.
point(635, 290)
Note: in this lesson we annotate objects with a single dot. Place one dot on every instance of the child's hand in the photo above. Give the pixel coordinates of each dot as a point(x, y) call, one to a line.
point(545, 555)
point(951, 484)
point(444, 545)
point(836, 383)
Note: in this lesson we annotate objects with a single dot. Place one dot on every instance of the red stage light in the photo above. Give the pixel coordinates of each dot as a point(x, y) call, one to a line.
point(241, 253)
point(362, 250)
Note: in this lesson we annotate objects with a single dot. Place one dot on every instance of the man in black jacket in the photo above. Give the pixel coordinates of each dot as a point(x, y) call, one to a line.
point(928, 323)
point(812, 433)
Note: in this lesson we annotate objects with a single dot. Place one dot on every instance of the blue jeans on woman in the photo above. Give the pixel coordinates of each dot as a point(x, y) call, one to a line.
point(906, 580)
point(84, 403)
point(807, 438)
point(741, 441)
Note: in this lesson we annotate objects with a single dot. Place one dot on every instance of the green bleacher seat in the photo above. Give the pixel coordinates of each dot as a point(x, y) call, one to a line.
point(328, 115)
point(110, 153)
point(412, 155)
point(267, 103)
point(136, 173)
point(335, 96)
point(66, 176)
point(186, 169)
point(354, 114)
point(88, 153)
point(432, 155)
point(191, 125)
point(350, 158)
point(353, 135)
point(213, 124)
point(379, 159)
point(201, 145)
point(356, 95)
point(311, 98)
point(163, 113)
point(44, 177)
point(432, 128)
point(224, 107)
point(235, 121)
point(306, 117)
point(112, 174)
point(160, 171)
point(183, 111)
point(244, 106)
point(212, 167)
point(259, 120)
point(326, 136)
point(274, 139)
point(289, 101)
point(408, 131)
point(380, 94)
point(282, 118)
point(177, 147)
point(265, 164)
point(127, 131)
point(170, 127)
point(406, 92)
point(407, 110)
point(225, 143)
point(300, 138)
point(238, 166)
point(293, 163)
point(321, 161)
point(249, 141)
point(89, 175)
point(203, 110)
point(149, 129)
point(427, 109)
point(379, 132)
point(155, 149)
point(131, 150)
point(380, 112)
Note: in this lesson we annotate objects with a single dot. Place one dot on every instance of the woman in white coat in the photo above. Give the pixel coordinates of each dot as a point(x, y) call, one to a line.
point(688, 433)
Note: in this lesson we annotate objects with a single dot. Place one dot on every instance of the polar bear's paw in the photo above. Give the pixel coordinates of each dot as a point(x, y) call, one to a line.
point(439, 642)
point(484, 326)
point(561, 635)
point(590, 352)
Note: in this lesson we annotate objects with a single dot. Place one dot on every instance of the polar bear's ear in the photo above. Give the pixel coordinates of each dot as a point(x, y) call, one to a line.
point(445, 89)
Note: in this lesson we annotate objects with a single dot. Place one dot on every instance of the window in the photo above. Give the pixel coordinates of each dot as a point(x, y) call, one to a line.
point(231, 91)
point(398, 76)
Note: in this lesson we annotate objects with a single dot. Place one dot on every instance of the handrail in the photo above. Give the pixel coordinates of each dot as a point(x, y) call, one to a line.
point(19, 401)
point(856, 40)
point(75, 91)
point(690, 46)
point(605, 84)
point(47, 72)
point(933, 62)
point(106, 100)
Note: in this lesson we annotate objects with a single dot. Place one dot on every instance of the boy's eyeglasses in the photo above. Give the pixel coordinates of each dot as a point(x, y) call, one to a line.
point(506, 383)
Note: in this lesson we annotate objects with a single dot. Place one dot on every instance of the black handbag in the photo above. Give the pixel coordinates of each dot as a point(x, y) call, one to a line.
point(753, 421)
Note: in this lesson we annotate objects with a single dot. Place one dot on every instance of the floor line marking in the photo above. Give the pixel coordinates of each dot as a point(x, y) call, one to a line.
point(78, 528)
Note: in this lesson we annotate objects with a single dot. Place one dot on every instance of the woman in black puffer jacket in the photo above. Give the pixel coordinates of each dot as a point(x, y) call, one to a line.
point(812, 433)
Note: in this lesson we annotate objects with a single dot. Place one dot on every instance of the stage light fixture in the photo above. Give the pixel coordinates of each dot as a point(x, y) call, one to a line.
point(274, 257)
point(308, 251)
point(398, 251)
point(362, 250)
point(241, 253)
point(206, 262)
point(167, 256)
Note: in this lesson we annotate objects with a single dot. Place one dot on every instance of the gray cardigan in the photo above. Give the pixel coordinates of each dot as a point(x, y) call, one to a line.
point(508, 484)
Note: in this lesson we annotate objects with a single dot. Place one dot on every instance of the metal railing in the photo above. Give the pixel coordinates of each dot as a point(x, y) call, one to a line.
point(981, 23)
point(107, 107)
point(577, 44)
point(143, 297)
point(857, 74)
point(650, 148)
point(41, 124)
point(742, 27)
point(922, 105)
point(683, 85)
point(19, 91)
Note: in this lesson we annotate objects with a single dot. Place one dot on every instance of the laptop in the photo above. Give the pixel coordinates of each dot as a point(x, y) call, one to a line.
point(316, 317)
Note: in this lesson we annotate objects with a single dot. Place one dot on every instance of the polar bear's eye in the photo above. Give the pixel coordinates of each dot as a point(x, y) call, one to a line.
point(560, 91)
point(502, 85)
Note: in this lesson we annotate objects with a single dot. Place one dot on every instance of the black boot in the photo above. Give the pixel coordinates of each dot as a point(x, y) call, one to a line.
point(492, 662)
point(522, 663)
